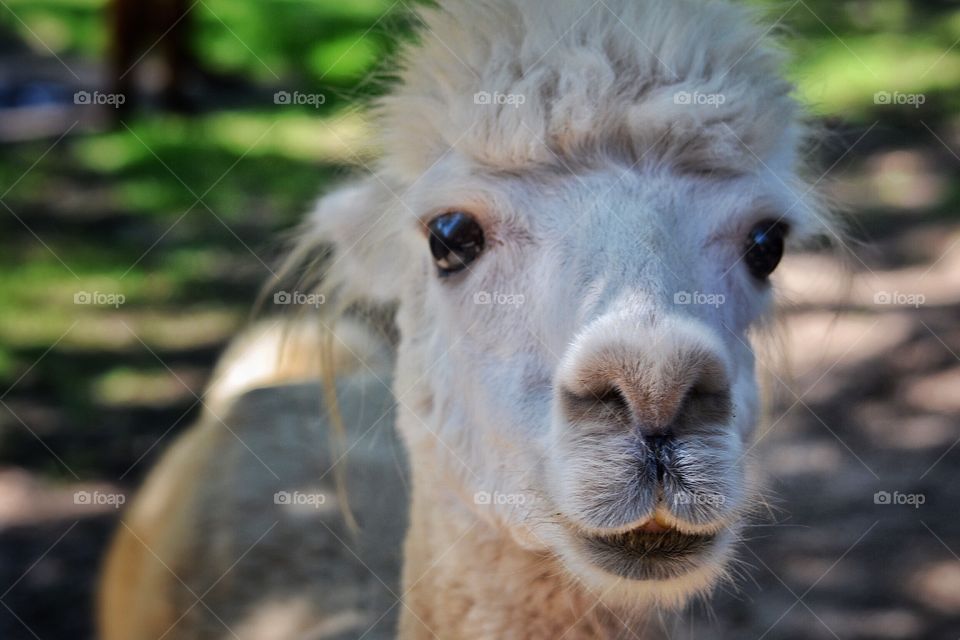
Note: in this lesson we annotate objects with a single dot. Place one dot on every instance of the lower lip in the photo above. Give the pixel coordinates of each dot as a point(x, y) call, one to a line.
point(647, 555)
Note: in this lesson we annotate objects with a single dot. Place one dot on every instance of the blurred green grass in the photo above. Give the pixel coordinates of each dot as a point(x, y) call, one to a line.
point(179, 215)
point(309, 39)
point(117, 211)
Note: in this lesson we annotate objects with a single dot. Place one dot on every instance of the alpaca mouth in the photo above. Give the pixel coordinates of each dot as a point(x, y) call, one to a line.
point(649, 553)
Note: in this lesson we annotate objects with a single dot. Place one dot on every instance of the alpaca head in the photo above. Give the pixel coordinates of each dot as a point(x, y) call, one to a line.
point(577, 211)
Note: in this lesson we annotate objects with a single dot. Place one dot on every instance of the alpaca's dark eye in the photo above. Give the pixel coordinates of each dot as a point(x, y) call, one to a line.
point(765, 247)
point(456, 239)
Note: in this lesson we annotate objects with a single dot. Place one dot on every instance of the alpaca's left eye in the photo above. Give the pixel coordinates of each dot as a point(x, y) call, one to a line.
point(765, 247)
point(456, 239)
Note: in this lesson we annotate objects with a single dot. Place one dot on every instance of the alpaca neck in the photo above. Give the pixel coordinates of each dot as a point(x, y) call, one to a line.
point(463, 578)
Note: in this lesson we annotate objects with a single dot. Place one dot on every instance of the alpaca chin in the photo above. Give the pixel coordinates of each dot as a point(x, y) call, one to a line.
point(672, 592)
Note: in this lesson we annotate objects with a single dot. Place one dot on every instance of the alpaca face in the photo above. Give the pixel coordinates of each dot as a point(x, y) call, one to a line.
point(577, 272)
point(582, 365)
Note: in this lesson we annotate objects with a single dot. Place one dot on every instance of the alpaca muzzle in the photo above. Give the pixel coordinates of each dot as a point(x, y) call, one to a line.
point(647, 457)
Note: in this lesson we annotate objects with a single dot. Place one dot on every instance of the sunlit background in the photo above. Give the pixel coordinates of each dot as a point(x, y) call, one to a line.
point(135, 236)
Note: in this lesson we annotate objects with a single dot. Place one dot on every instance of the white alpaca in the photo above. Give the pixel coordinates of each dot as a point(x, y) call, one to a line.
point(576, 211)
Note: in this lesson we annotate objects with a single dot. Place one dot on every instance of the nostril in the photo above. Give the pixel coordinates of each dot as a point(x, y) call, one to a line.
point(605, 404)
point(704, 404)
point(613, 400)
point(656, 396)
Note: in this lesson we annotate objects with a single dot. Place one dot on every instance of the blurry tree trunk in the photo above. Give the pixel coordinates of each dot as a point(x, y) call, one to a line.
point(142, 28)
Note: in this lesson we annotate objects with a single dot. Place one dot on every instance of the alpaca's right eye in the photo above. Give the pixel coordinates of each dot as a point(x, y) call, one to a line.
point(456, 239)
point(765, 247)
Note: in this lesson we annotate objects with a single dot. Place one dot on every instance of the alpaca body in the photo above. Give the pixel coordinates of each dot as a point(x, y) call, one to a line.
point(206, 524)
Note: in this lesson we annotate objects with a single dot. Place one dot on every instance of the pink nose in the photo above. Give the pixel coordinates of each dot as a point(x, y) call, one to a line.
point(658, 382)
